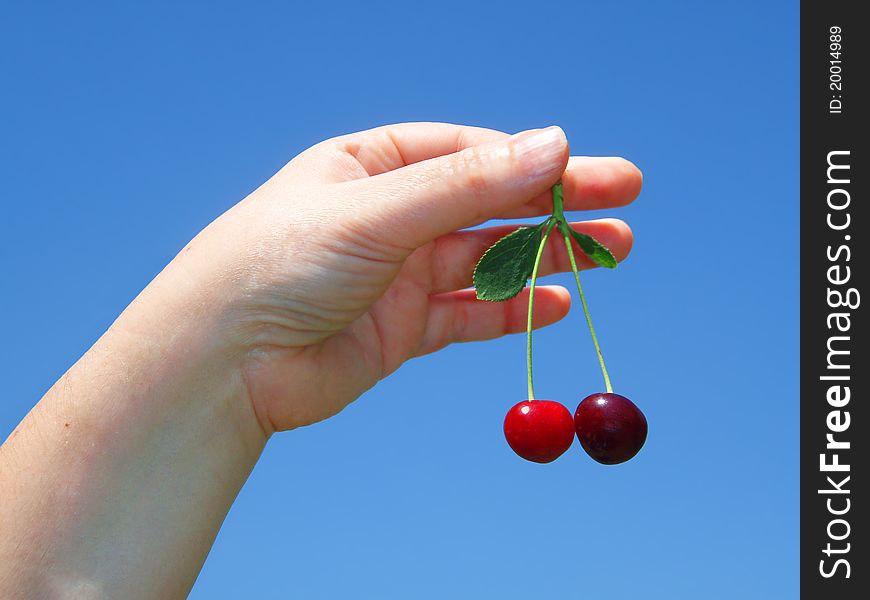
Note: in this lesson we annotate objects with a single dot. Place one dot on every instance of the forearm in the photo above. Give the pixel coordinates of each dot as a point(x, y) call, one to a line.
point(117, 482)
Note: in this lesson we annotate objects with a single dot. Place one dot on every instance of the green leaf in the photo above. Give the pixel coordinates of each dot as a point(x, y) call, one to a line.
point(502, 271)
point(597, 252)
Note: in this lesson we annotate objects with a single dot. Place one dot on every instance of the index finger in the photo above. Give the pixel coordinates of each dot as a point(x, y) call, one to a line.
point(589, 183)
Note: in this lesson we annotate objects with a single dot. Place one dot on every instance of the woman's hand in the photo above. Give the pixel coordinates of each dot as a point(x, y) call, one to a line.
point(349, 261)
point(354, 258)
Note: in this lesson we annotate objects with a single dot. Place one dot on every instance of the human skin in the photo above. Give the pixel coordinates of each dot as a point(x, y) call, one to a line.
point(349, 261)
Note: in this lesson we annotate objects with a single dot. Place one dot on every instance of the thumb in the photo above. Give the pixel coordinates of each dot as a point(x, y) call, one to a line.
point(415, 204)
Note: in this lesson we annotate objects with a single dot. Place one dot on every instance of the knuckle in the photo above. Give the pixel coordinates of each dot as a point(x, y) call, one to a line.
point(515, 315)
point(471, 166)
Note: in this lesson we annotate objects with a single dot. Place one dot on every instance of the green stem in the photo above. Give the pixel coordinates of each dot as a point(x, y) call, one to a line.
point(549, 225)
point(567, 238)
point(558, 203)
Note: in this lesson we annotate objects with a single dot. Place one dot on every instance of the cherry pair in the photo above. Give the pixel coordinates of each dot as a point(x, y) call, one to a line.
point(610, 428)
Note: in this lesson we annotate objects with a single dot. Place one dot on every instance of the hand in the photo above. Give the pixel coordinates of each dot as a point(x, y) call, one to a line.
point(353, 258)
point(349, 261)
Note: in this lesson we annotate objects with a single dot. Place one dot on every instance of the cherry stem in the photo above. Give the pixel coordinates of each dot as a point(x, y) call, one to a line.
point(549, 227)
point(566, 236)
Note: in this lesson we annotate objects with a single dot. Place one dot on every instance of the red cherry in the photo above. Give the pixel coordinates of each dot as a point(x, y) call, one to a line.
point(610, 427)
point(539, 430)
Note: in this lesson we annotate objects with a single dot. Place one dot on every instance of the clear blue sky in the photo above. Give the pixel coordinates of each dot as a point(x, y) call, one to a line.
point(124, 130)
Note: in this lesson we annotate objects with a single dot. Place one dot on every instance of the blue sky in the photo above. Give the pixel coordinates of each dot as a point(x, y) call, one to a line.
point(125, 129)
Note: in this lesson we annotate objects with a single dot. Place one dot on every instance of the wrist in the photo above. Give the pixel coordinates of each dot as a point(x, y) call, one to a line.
point(180, 341)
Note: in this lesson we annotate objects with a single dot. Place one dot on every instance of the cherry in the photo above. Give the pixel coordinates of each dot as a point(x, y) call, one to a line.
point(539, 430)
point(610, 427)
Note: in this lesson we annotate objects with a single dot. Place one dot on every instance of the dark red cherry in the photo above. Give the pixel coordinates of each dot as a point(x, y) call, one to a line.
point(539, 430)
point(610, 427)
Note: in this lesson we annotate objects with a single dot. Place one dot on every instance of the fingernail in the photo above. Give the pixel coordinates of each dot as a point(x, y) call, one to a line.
point(541, 152)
